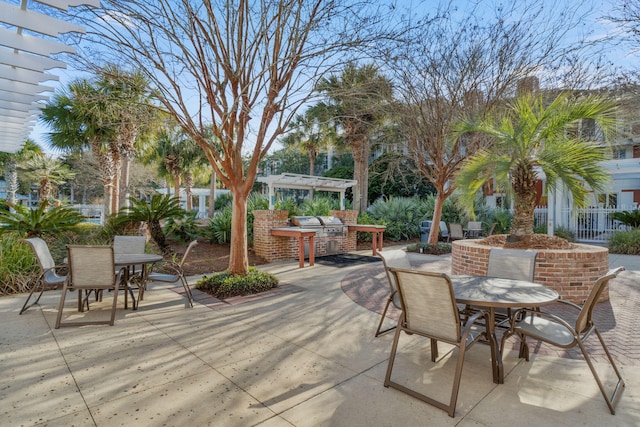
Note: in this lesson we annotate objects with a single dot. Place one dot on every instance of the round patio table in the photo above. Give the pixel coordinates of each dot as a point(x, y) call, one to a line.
point(131, 260)
point(492, 292)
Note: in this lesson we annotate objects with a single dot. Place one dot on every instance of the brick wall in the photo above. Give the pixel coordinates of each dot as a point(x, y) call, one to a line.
point(571, 273)
point(273, 248)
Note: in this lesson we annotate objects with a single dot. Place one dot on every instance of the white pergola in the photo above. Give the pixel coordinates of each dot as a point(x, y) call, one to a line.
point(27, 47)
point(306, 182)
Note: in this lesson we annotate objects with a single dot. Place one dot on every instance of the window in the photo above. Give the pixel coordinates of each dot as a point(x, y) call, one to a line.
point(609, 200)
point(620, 153)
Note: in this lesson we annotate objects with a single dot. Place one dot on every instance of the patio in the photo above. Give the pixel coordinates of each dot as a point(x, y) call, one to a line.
point(304, 355)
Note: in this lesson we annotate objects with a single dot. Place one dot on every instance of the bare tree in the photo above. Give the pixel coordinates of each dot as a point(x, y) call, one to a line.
point(462, 65)
point(241, 66)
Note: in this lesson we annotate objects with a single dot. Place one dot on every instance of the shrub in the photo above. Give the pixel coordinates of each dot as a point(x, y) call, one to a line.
point(19, 268)
point(185, 228)
point(219, 228)
point(628, 218)
point(224, 285)
point(437, 249)
point(321, 206)
point(402, 216)
point(39, 221)
point(565, 233)
point(625, 242)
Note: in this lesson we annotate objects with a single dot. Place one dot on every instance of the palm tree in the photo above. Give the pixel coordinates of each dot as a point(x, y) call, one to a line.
point(9, 163)
point(532, 136)
point(48, 171)
point(359, 98)
point(78, 119)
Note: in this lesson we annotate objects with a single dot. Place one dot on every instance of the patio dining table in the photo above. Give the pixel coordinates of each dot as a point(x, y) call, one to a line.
point(129, 261)
point(490, 293)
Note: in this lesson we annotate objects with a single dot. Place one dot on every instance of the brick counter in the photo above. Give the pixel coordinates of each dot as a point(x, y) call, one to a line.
point(571, 272)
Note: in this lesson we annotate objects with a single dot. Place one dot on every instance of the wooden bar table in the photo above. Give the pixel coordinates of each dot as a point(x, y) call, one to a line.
point(377, 232)
point(300, 233)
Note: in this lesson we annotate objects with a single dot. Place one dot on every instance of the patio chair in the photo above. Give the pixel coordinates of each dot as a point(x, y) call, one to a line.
point(444, 232)
point(90, 268)
point(554, 330)
point(474, 228)
point(430, 311)
point(512, 264)
point(396, 258)
point(455, 232)
point(171, 272)
point(132, 245)
point(49, 277)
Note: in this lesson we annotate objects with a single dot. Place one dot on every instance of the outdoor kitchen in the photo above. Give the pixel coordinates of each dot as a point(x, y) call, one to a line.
point(276, 236)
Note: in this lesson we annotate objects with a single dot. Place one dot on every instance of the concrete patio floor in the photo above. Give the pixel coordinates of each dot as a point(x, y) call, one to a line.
point(302, 356)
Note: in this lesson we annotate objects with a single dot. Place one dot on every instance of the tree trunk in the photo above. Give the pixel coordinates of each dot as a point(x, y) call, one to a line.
point(155, 230)
point(239, 258)
point(437, 214)
point(188, 185)
point(524, 203)
point(124, 183)
point(11, 178)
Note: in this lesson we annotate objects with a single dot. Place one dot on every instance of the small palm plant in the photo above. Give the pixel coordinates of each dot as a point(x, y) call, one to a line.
point(535, 136)
point(629, 218)
point(36, 222)
point(161, 207)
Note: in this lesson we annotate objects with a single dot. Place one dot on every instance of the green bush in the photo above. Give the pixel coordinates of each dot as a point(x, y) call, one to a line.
point(629, 218)
point(365, 218)
point(402, 216)
point(565, 233)
point(625, 242)
point(219, 228)
point(19, 268)
point(185, 229)
point(319, 206)
point(39, 221)
point(224, 285)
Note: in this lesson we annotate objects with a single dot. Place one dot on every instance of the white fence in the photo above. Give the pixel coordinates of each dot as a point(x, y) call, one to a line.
point(93, 213)
point(593, 224)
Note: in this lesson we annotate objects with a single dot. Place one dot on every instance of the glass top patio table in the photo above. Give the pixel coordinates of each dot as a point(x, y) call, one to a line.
point(131, 260)
point(491, 292)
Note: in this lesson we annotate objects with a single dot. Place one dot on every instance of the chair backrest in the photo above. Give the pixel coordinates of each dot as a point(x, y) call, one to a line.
point(455, 231)
point(474, 225)
point(43, 255)
point(512, 264)
point(91, 267)
point(186, 253)
point(584, 320)
point(429, 303)
point(396, 258)
point(129, 244)
point(444, 232)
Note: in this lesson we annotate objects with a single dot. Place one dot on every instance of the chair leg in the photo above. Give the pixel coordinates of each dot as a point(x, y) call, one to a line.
point(187, 290)
point(617, 391)
point(384, 314)
point(61, 305)
point(114, 305)
point(392, 357)
point(434, 350)
point(25, 307)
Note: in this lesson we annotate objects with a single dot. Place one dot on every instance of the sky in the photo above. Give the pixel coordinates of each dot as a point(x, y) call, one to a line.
point(595, 24)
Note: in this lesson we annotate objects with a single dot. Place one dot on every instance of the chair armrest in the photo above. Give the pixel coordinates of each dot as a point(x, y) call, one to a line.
point(541, 314)
point(167, 266)
point(471, 321)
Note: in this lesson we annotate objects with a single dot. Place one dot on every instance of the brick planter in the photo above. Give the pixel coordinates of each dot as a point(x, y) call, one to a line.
point(571, 272)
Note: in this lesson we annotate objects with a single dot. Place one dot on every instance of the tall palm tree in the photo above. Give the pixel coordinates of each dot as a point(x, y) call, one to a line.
point(359, 97)
point(79, 119)
point(532, 136)
point(311, 132)
point(48, 172)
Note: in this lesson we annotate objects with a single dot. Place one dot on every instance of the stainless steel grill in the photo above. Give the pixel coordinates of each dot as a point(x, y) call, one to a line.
point(327, 226)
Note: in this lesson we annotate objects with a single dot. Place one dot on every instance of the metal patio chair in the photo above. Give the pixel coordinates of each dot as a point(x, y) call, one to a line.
point(455, 232)
point(430, 310)
point(556, 331)
point(49, 277)
point(171, 272)
point(90, 268)
point(396, 258)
